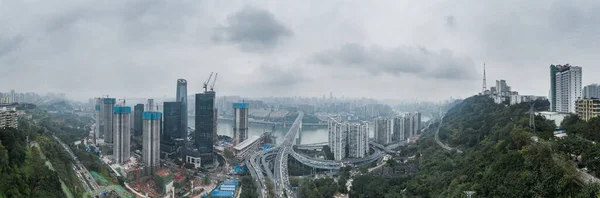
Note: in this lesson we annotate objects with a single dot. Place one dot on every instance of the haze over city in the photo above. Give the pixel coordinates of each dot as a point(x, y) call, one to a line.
point(426, 50)
point(309, 99)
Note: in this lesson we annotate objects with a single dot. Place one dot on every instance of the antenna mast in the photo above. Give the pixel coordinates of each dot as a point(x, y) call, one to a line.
point(484, 88)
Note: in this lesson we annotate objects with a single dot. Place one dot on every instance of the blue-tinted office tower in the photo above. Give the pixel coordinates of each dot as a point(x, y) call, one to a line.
point(138, 111)
point(182, 97)
point(173, 126)
point(205, 122)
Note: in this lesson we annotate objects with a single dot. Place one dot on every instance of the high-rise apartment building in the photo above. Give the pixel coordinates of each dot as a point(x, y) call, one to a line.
point(173, 127)
point(399, 130)
point(240, 122)
point(138, 122)
point(106, 119)
point(588, 108)
point(415, 123)
point(358, 139)
point(337, 139)
point(151, 138)
point(591, 91)
point(121, 133)
point(565, 87)
point(205, 122)
point(383, 130)
point(97, 115)
point(13, 96)
point(182, 97)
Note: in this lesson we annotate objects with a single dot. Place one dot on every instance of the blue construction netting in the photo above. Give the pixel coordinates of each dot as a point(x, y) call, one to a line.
point(240, 105)
point(122, 110)
point(97, 107)
point(152, 115)
point(109, 101)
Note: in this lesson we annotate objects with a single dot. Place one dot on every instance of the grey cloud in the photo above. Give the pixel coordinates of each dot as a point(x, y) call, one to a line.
point(252, 29)
point(10, 44)
point(280, 79)
point(450, 22)
point(402, 60)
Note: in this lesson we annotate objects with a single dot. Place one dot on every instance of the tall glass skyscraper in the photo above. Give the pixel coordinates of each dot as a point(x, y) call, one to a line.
point(137, 119)
point(172, 127)
point(182, 97)
point(205, 120)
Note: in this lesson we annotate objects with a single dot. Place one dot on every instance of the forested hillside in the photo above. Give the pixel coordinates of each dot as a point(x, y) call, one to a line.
point(43, 168)
point(23, 171)
point(500, 158)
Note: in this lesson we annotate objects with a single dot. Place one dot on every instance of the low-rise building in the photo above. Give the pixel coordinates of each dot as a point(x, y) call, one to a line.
point(245, 149)
point(8, 116)
point(588, 108)
point(556, 116)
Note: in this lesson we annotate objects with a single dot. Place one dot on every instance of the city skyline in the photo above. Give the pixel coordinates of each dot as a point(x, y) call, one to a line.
point(434, 51)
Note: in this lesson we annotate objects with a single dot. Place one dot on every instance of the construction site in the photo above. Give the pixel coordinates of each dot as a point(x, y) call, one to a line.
point(158, 182)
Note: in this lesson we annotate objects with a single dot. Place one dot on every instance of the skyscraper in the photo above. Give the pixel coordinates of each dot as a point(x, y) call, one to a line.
point(591, 91)
point(337, 139)
point(138, 122)
point(121, 130)
point(98, 104)
point(172, 127)
point(565, 87)
point(106, 119)
point(182, 97)
point(415, 123)
point(383, 130)
point(13, 96)
point(205, 121)
point(240, 122)
point(399, 132)
point(412, 124)
point(358, 139)
point(151, 138)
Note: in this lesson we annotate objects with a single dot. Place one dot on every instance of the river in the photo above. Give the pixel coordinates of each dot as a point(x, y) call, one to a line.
point(308, 135)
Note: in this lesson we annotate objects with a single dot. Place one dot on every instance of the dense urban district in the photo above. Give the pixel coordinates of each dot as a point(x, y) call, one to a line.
point(496, 143)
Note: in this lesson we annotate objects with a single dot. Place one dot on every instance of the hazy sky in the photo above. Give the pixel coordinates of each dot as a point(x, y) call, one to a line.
point(427, 49)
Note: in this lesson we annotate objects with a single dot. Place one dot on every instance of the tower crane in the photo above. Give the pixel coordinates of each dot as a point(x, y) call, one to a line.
point(207, 81)
point(214, 81)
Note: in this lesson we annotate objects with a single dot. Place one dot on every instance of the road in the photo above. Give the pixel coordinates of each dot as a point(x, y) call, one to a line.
point(79, 168)
point(282, 182)
point(437, 137)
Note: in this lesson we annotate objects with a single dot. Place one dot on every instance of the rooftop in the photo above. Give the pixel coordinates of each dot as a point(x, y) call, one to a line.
point(247, 142)
point(163, 172)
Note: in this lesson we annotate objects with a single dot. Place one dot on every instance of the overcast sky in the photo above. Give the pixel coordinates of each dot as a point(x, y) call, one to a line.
point(406, 50)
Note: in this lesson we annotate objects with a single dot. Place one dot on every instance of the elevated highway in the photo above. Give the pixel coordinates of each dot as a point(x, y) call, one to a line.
point(282, 182)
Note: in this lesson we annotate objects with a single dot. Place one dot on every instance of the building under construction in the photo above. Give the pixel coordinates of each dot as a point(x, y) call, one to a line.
point(121, 130)
point(240, 122)
point(106, 119)
point(151, 138)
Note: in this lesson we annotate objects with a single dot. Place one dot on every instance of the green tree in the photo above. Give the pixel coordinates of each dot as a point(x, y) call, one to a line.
point(228, 154)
